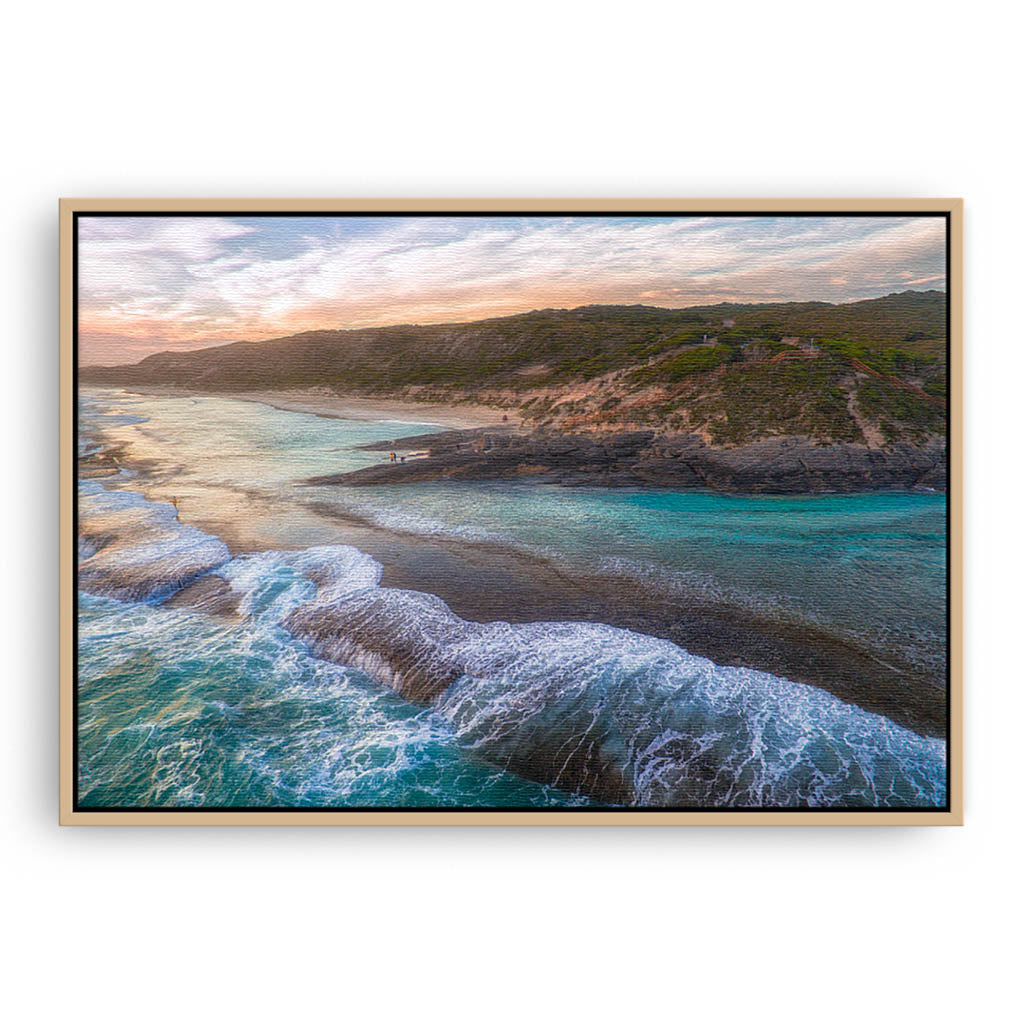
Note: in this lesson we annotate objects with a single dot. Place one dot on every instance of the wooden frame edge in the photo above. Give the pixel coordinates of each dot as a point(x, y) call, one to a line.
point(955, 499)
point(497, 204)
point(512, 819)
point(67, 526)
point(954, 207)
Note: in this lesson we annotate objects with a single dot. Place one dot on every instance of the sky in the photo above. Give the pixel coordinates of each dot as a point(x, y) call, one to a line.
point(148, 284)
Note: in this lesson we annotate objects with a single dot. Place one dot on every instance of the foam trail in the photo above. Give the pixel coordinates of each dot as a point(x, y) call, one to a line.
point(614, 715)
point(136, 550)
point(621, 716)
point(179, 709)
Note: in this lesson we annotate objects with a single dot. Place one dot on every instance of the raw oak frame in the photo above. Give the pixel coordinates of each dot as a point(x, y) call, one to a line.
point(954, 812)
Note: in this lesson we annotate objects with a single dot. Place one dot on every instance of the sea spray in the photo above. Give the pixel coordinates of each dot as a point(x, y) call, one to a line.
point(136, 549)
point(179, 709)
point(617, 715)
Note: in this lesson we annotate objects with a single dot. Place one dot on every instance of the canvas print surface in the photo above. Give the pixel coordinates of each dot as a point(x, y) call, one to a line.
point(511, 511)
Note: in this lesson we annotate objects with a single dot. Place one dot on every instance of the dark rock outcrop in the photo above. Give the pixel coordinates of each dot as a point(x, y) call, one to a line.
point(641, 458)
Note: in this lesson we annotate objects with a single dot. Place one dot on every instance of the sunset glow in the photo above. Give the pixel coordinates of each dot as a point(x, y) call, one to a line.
point(148, 284)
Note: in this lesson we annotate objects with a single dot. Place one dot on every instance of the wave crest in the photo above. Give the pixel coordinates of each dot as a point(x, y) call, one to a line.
point(596, 710)
point(620, 716)
point(136, 550)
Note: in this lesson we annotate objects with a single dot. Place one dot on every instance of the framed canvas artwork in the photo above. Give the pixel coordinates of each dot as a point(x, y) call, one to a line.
point(511, 511)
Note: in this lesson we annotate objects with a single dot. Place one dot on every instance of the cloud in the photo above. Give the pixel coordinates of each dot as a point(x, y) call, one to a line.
point(161, 282)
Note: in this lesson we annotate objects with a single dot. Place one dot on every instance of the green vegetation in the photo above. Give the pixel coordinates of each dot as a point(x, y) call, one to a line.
point(802, 397)
point(693, 360)
point(883, 358)
point(900, 414)
point(877, 365)
point(765, 349)
point(565, 344)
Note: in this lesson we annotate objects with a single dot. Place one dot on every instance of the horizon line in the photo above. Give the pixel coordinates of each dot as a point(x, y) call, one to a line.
point(511, 316)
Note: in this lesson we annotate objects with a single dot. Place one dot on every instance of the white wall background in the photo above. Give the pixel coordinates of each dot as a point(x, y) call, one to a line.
point(208, 99)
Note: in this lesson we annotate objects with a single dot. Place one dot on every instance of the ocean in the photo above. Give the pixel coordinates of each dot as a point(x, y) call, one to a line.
point(253, 653)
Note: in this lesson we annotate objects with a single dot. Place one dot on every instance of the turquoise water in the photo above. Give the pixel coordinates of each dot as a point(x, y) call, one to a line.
point(181, 708)
point(871, 566)
point(235, 717)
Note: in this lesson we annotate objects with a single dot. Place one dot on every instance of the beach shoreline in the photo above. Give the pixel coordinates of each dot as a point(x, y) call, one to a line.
point(484, 582)
point(316, 402)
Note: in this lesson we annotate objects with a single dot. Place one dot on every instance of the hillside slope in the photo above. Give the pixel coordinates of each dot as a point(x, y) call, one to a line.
point(870, 372)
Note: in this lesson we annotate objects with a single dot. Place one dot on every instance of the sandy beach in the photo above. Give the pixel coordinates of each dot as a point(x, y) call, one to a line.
point(349, 407)
point(346, 407)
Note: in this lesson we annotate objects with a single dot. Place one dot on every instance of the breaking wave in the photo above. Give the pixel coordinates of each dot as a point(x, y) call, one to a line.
point(135, 549)
point(919, 647)
point(612, 715)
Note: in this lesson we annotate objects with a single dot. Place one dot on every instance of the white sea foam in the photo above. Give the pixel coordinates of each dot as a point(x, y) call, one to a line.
point(614, 714)
point(403, 520)
point(136, 549)
point(919, 647)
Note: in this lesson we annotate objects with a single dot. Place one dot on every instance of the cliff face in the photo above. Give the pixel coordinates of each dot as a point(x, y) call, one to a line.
point(870, 373)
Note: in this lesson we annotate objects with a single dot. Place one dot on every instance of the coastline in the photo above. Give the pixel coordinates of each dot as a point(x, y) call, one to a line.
point(528, 695)
point(485, 443)
point(644, 458)
point(343, 407)
point(486, 582)
point(481, 581)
